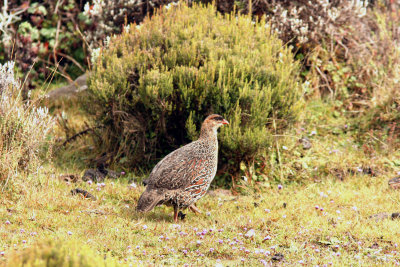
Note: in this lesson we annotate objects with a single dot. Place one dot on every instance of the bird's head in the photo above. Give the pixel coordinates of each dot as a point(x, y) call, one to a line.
point(214, 121)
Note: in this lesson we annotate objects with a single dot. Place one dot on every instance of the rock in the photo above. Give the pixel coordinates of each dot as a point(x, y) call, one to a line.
point(305, 142)
point(394, 182)
point(84, 193)
point(250, 234)
point(98, 175)
point(374, 246)
point(69, 90)
point(112, 174)
point(72, 178)
point(95, 175)
point(278, 257)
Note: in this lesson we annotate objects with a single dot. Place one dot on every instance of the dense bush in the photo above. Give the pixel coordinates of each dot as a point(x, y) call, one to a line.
point(152, 86)
point(49, 34)
point(344, 45)
point(23, 128)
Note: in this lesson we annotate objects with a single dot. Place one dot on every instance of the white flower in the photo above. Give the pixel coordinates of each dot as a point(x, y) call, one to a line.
point(251, 233)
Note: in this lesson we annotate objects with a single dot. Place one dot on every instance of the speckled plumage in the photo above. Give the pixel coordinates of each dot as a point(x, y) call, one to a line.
point(184, 175)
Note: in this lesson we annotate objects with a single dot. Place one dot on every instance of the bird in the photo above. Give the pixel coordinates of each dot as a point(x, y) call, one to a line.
point(182, 177)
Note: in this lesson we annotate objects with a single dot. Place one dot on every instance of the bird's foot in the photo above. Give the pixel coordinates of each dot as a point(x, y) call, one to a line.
point(195, 209)
point(181, 215)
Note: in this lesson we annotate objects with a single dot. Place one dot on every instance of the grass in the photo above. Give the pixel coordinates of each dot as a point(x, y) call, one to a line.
point(341, 233)
point(320, 216)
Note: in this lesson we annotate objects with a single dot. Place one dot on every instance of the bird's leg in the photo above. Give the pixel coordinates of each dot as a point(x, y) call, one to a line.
point(176, 213)
point(194, 209)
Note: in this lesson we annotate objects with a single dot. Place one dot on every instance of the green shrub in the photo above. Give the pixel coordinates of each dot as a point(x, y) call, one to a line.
point(24, 128)
point(153, 86)
point(58, 254)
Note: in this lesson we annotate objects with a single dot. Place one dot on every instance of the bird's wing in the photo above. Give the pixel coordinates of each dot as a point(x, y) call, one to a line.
point(178, 169)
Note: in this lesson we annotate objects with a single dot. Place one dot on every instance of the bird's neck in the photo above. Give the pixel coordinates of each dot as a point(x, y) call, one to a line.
point(209, 134)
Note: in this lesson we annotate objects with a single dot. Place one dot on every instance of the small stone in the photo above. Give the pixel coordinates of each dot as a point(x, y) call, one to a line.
point(82, 192)
point(394, 182)
point(278, 257)
point(306, 143)
point(251, 233)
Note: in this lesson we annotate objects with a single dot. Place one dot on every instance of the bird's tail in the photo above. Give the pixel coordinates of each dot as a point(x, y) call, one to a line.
point(148, 200)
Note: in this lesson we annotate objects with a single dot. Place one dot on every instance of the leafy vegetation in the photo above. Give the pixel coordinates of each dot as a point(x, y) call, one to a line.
point(321, 218)
point(24, 129)
point(316, 192)
point(153, 86)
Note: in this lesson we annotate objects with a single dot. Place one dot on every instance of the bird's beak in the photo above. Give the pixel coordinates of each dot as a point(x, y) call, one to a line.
point(225, 122)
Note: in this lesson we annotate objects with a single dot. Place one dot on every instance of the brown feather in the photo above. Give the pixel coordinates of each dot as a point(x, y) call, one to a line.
point(184, 176)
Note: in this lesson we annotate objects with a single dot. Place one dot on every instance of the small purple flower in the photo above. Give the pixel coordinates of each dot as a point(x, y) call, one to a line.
point(7, 222)
point(33, 233)
point(220, 230)
point(144, 227)
point(198, 242)
point(211, 250)
point(354, 208)
point(301, 262)
point(23, 241)
point(22, 231)
point(267, 210)
point(220, 241)
point(208, 213)
point(128, 247)
point(98, 188)
point(185, 251)
point(316, 207)
point(267, 238)
point(321, 209)
point(242, 260)
point(69, 233)
point(132, 185)
point(280, 186)
point(122, 173)
point(2, 253)
point(89, 182)
point(338, 211)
